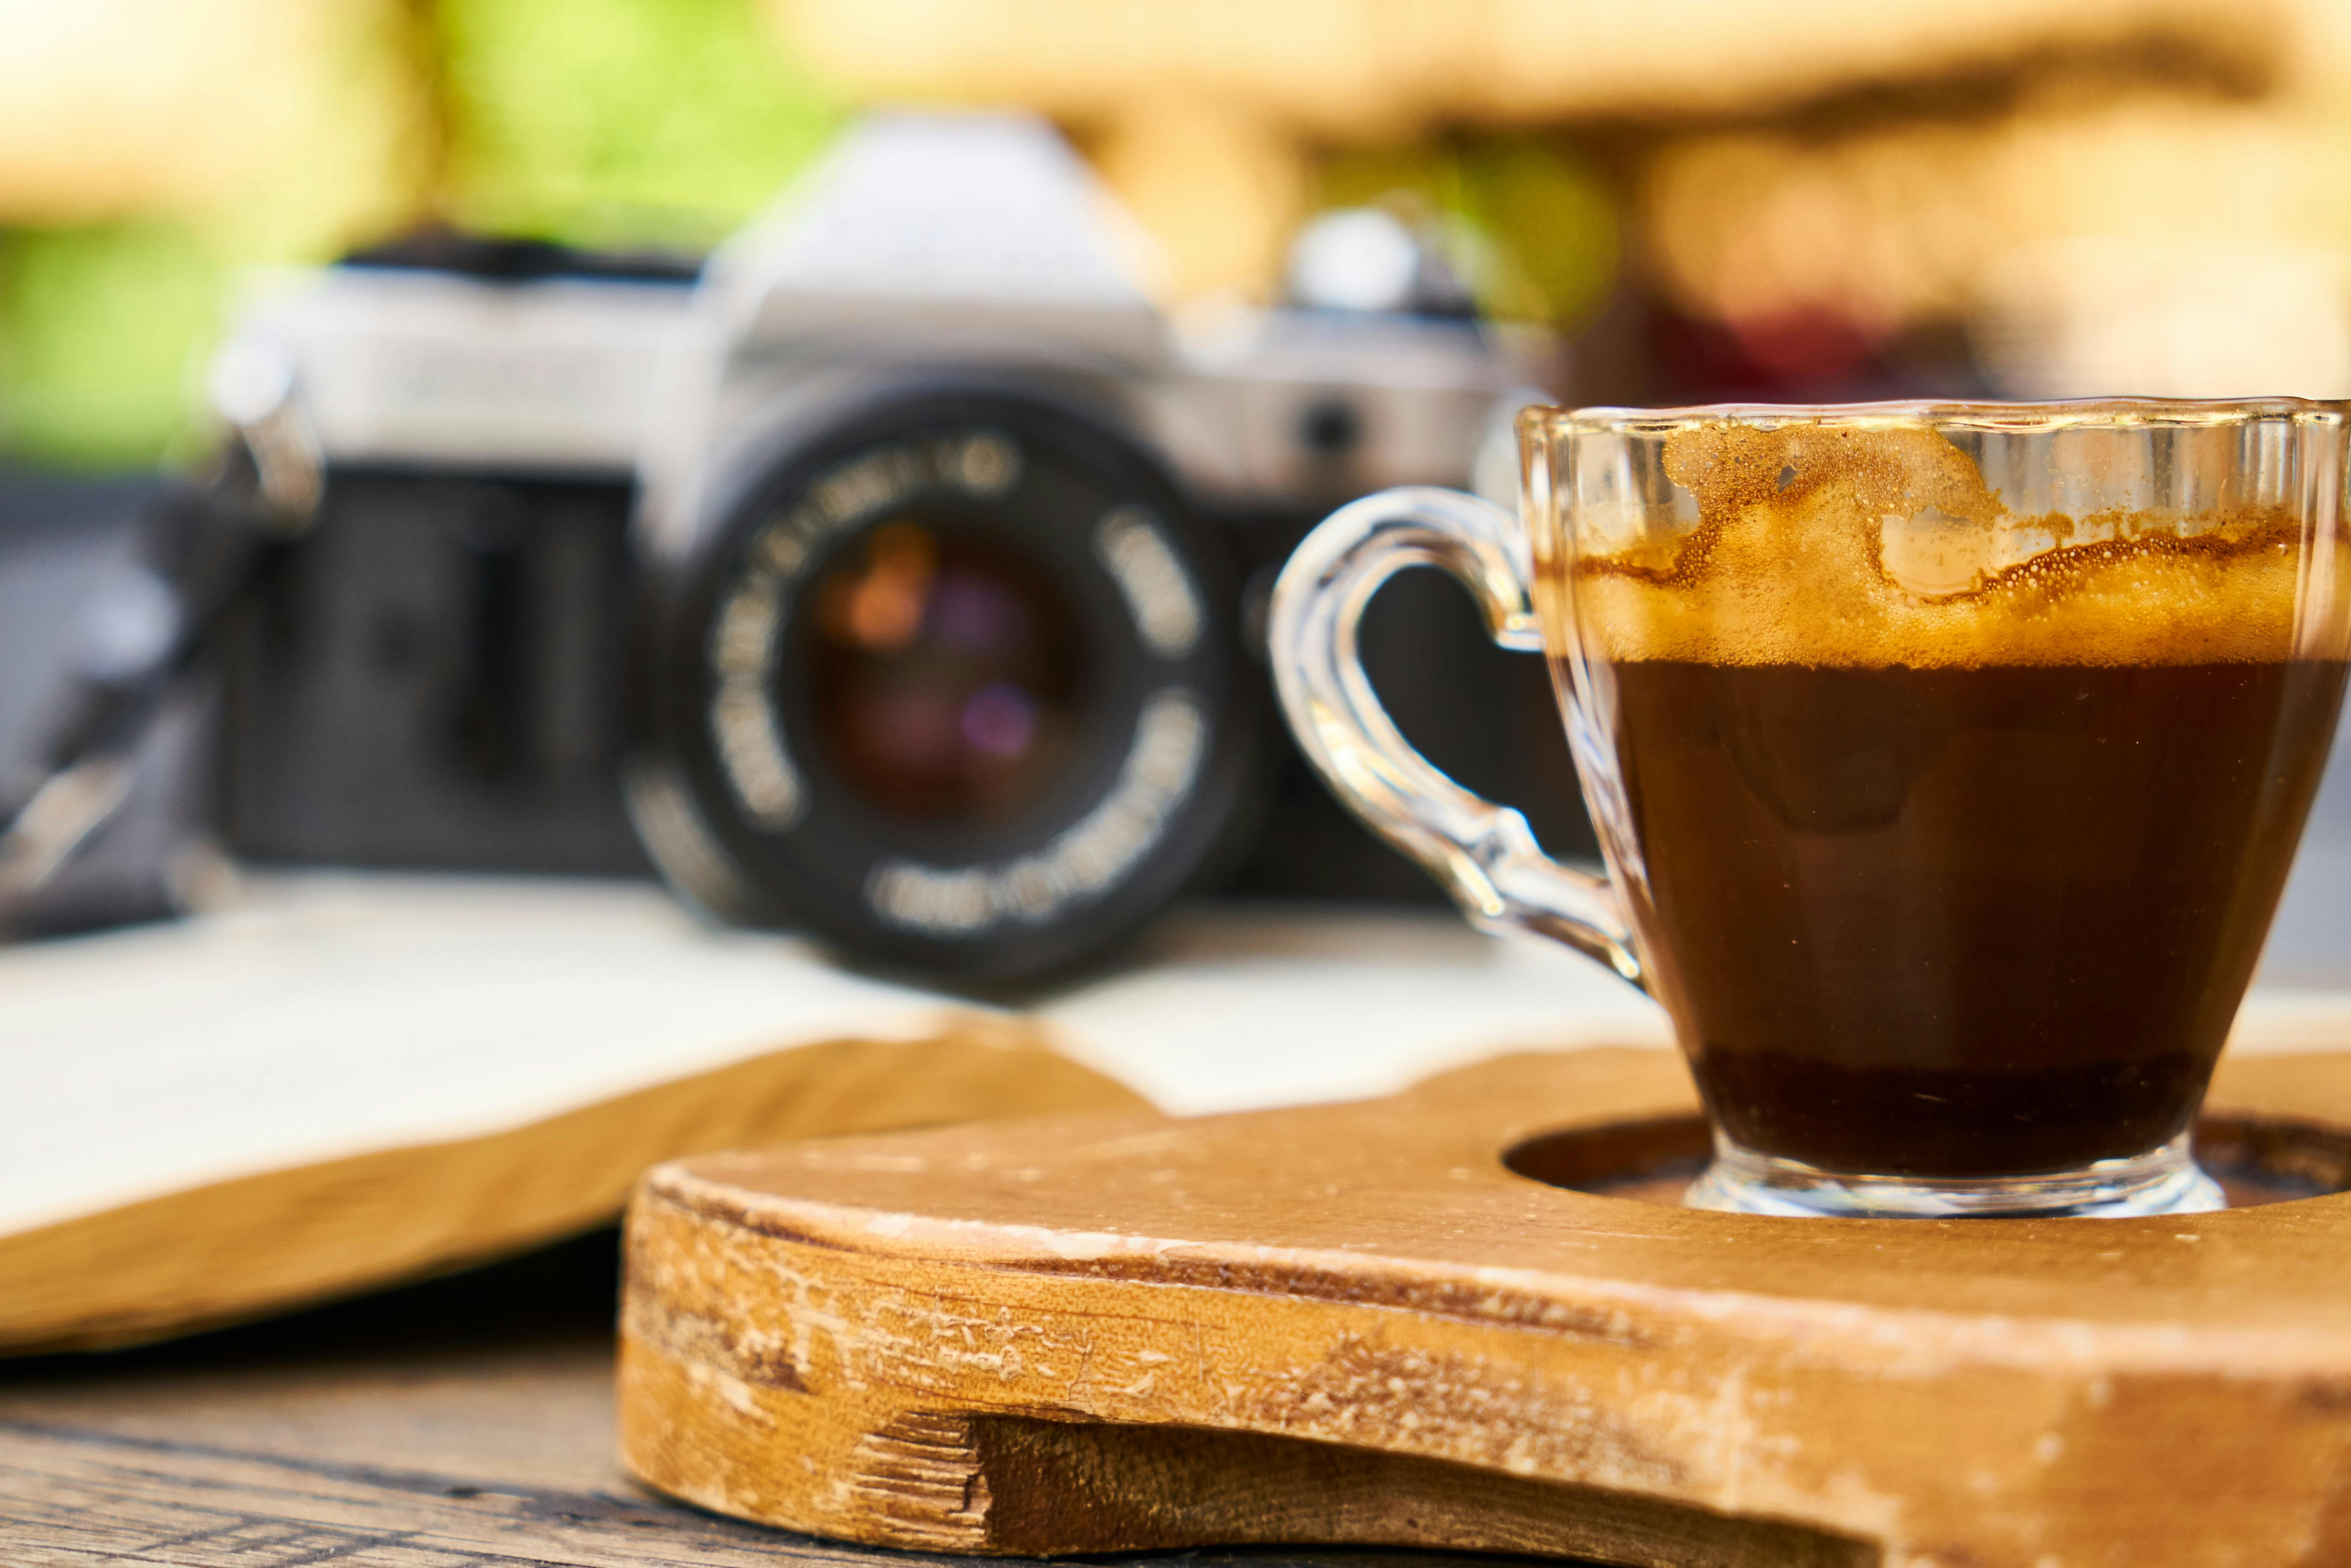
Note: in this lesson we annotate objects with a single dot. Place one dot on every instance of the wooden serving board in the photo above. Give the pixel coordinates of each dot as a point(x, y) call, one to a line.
point(1362, 1324)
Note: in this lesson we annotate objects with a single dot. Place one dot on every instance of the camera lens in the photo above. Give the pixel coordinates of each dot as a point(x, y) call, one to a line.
point(942, 672)
point(953, 682)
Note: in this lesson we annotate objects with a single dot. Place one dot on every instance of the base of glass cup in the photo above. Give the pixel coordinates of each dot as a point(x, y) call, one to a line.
point(2163, 1180)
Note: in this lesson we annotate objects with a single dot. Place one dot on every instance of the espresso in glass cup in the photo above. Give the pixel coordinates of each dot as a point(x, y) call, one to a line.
point(1947, 761)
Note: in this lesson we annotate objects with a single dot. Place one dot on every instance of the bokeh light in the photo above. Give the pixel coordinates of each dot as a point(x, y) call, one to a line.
point(2152, 195)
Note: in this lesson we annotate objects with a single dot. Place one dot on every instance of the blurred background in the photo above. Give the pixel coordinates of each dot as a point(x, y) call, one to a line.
point(461, 460)
point(1687, 201)
point(1810, 198)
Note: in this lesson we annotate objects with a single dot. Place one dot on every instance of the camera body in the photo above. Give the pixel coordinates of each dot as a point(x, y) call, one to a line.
point(895, 576)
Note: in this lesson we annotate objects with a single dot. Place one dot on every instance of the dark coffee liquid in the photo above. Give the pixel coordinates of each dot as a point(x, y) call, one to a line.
point(1962, 921)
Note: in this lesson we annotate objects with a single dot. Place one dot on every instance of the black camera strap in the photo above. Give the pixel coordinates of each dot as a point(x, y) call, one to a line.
point(204, 540)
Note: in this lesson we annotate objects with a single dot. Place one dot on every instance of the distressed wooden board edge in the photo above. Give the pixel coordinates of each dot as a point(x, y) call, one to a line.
point(718, 1406)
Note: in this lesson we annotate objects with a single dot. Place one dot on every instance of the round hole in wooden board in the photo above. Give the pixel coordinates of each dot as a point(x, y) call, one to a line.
point(2257, 1160)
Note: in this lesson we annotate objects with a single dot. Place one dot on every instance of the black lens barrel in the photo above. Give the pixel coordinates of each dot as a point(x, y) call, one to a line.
point(952, 683)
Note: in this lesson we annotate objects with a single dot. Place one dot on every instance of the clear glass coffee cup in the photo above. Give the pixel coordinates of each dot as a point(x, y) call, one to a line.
point(1947, 758)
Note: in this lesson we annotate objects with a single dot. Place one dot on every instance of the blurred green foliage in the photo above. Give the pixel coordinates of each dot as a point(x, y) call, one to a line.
point(626, 123)
point(1530, 223)
point(100, 329)
point(1554, 221)
point(620, 122)
point(623, 123)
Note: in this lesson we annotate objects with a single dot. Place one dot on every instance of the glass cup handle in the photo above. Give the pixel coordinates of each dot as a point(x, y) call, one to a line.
point(1483, 854)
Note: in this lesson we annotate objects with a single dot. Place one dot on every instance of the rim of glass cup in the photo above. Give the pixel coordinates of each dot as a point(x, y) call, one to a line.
point(2109, 413)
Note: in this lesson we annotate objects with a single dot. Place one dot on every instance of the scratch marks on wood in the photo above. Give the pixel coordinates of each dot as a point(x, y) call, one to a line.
point(744, 1352)
point(1460, 1406)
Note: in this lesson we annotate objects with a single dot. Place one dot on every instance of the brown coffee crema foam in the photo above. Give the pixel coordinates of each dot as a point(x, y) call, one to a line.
point(1831, 545)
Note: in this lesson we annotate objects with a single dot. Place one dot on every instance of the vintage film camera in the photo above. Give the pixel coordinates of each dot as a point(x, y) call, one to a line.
point(892, 578)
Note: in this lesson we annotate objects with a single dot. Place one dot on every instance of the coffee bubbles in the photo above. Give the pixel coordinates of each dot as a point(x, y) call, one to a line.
point(1856, 547)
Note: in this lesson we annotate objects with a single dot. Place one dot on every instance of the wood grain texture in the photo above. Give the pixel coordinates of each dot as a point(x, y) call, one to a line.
point(72, 1498)
point(264, 1243)
point(471, 1427)
point(1354, 1323)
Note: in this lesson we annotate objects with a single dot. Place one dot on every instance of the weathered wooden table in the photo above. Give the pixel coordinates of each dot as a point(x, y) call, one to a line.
point(467, 1421)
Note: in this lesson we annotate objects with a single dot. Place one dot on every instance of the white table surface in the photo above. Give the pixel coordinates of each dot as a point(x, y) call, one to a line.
point(326, 1014)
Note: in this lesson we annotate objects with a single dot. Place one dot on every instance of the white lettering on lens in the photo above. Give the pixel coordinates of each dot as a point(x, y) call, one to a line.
point(985, 462)
point(765, 781)
point(1158, 589)
point(1083, 861)
point(742, 722)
